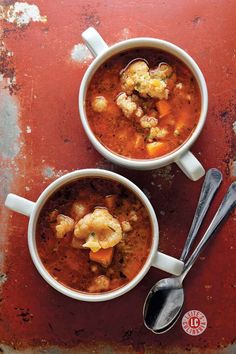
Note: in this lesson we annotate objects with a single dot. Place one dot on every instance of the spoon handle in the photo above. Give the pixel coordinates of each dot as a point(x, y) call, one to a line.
point(228, 203)
point(210, 185)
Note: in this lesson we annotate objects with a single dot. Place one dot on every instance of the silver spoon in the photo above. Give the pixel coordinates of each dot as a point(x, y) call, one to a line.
point(164, 302)
point(210, 185)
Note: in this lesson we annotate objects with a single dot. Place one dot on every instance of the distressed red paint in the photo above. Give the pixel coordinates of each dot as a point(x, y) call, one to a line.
point(32, 313)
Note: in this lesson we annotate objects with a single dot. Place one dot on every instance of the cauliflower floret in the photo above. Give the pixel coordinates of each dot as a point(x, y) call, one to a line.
point(132, 216)
point(64, 224)
point(99, 104)
point(100, 230)
point(126, 104)
point(179, 85)
point(163, 72)
point(157, 89)
point(101, 283)
point(132, 74)
point(139, 112)
point(92, 242)
point(78, 210)
point(126, 227)
point(137, 77)
point(148, 122)
point(157, 133)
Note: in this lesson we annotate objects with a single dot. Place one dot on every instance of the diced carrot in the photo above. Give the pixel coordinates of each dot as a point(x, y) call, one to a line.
point(110, 200)
point(138, 140)
point(182, 120)
point(130, 269)
point(103, 256)
point(157, 148)
point(163, 107)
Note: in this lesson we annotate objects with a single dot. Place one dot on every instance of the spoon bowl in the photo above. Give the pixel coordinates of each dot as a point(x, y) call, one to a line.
point(163, 303)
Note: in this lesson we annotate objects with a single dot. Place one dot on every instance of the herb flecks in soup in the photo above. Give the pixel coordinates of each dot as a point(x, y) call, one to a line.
point(143, 103)
point(94, 235)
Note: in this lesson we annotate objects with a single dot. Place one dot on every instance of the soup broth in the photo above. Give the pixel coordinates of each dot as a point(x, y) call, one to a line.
point(93, 235)
point(143, 103)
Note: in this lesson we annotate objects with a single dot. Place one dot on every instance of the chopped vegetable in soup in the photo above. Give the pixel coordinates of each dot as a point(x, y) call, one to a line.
point(94, 235)
point(143, 103)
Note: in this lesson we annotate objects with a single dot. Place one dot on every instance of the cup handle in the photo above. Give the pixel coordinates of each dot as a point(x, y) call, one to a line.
point(167, 263)
point(94, 42)
point(19, 204)
point(190, 165)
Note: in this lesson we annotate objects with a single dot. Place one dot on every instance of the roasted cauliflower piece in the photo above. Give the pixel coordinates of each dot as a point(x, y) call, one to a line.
point(148, 121)
point(126, 227)
point(139, 112)
point(132, 75)
point(126, 104)
point(157, 89)
point(138, 77)
point(163, 71)
point(132, 216)
point(99, 230)
point(157, 133)
point(64, 224)
point(101, 283)
point(99, 104)
point(78, 210)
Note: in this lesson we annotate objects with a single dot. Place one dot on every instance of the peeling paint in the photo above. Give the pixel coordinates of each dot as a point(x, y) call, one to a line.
point(21, 14)
point(28, 129)
point(7, 71)
point(234, 127)
point(6, 178)
point(233, 169)
point(165, 173)
point(3, 278)
point(106, 165)
point(80, 53)
point(50, 172)
point(9, 130)
point(125, 34)
point(114, 349)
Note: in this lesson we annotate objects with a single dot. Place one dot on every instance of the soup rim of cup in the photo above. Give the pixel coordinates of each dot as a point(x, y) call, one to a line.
point(142, 42)
point(45, 195)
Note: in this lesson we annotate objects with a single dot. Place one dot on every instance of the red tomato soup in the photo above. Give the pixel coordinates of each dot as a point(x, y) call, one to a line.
point(143, 103)
point(94, 235)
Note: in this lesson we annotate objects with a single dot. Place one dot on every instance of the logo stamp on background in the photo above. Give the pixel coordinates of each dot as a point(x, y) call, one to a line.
point(194, 322)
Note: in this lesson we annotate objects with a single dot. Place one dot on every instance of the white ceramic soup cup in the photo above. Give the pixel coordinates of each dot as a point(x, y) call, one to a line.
point(32, 210)
point(186, 161)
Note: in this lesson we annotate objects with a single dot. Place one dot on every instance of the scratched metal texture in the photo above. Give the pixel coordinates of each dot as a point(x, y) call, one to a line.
point(42, 61)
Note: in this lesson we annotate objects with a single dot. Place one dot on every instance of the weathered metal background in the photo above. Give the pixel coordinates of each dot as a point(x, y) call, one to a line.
point(42, 60)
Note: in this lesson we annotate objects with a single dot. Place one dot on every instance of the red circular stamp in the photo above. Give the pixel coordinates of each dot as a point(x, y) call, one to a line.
point(194, 322)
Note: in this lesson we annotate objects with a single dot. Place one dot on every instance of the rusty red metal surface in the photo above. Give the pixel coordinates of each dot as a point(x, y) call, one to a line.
point(42, 61)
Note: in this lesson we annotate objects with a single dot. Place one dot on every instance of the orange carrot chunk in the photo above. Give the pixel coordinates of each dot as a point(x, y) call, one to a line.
point(183, 120)
point(103, 256)
point(163, 107)
point(110, 201)
point(157, 148)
